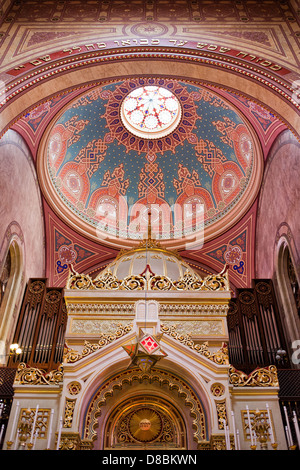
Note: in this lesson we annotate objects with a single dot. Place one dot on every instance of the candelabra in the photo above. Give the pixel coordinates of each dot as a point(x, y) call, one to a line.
point(261, 427)
point(24, 429)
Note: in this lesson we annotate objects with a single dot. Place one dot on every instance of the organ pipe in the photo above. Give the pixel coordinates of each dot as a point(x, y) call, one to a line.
point(254, 325)
point(41, 326)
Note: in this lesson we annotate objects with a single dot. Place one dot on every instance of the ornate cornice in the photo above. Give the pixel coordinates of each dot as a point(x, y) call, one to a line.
point(189, 309)
point(39, 70)
point(148, 281)
point(78, 308)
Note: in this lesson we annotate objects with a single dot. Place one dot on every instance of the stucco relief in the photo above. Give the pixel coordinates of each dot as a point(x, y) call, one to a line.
point(96, 327)
point(193, 309)
point(195, 328)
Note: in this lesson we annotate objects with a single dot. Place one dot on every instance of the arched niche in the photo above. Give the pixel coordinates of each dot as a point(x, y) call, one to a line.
point(288, 284)
point(21, 204)
point(158, 386)
point(11, 287)
point(21, 229)
point(145, 422)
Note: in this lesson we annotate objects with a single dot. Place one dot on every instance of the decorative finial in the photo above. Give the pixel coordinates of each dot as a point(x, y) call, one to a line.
point(149, 224)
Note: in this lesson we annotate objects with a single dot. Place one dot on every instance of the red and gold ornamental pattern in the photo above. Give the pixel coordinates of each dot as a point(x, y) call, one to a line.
point(185, 109)
point(123, 146)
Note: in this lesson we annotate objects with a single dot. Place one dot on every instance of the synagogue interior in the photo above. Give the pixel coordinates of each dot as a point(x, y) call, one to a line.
point(150, 225)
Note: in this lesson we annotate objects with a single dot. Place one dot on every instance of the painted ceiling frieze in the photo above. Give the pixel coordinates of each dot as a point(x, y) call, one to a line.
point(32, 124)
point(266, 124)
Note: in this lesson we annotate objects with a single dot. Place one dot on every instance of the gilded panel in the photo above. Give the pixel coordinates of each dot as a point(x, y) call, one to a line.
point(195, 328)
point(96, 327)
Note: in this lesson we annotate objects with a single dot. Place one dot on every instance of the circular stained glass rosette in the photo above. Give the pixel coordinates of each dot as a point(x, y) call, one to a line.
point(151, 112)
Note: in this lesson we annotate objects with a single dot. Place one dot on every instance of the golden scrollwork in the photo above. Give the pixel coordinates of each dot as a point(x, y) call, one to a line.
point(79, 281)
point(149, 281)
point(189, 282)
point(260, 377)
point(222, 414)
point(34, 376)
point(219, 357)
point(217, 389)
point(161, 283)
point(69, 412)
point(72, 356)
point(70, 441)
point(217, 442)
point(74, 388)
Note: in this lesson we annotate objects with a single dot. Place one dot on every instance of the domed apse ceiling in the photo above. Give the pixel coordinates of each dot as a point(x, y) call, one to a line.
point(174, 146)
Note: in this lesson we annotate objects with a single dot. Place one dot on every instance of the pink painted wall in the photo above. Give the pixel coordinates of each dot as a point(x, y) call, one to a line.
point(279, 203)
point(20, 204)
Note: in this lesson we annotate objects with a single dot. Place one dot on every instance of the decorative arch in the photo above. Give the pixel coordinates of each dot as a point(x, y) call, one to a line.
point(190, 402)
point(288, 281)
point(11, 274)
point(145, 422)
point(267, 86)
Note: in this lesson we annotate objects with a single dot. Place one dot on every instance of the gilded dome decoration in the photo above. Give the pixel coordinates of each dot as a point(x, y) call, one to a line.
point(151, 256)
point(148, 267)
